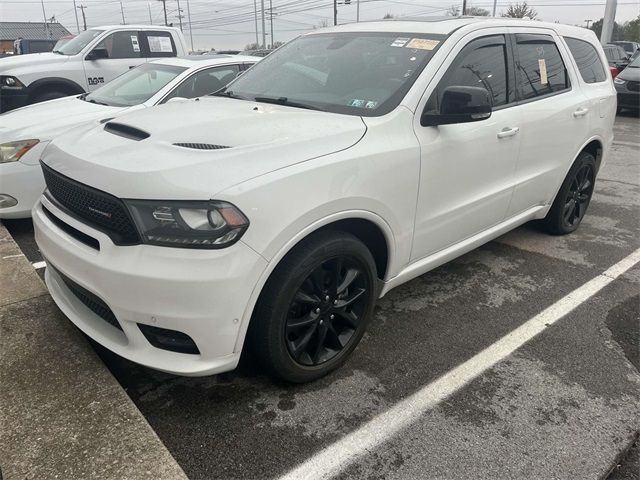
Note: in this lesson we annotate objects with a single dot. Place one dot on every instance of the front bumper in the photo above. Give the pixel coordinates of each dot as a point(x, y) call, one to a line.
point(628, 94)
point(22, 182)
point(201, 293)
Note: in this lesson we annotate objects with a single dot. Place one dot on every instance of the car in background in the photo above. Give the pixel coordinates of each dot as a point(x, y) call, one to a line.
point(629, 47)
point(352, 160)
point(627, 86)
point(86, 62)
point(24, 133)
point(617, 58)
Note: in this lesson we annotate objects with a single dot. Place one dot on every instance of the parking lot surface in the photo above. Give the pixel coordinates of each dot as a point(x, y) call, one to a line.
point(566, 404)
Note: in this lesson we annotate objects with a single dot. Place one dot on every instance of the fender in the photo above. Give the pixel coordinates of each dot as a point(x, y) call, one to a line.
point(286, 248)
point(70, 84)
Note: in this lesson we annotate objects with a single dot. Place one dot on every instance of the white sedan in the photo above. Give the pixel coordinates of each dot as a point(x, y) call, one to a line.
point(24, 133)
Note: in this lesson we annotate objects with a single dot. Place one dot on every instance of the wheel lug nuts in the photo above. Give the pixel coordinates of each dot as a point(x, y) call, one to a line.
point(321, 322)
point(335, 302)
point(317, 310)
point(332, 317)
point(326, 298)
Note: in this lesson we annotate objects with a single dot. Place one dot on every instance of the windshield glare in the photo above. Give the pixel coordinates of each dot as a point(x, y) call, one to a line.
point(356, 73)
point(76, 44)
point(136, 86)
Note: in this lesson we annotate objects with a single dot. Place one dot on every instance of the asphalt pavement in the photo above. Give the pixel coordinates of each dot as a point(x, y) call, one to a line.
point(565, 404)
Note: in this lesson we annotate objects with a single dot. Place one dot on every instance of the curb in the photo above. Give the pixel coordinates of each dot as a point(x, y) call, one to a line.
point(62, 414)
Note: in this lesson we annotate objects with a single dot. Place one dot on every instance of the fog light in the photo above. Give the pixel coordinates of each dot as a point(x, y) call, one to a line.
point(7, 201)
point(171, 340)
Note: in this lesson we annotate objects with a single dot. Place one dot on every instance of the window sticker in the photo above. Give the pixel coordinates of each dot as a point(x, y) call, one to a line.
point(400, 42)
point(134, 43)
point(371, 104)
point(542, 65)
point(422, 44)
point(159, 44)
point(356, 102)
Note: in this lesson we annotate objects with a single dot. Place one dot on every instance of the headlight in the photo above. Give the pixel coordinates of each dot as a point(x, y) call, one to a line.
point(12, 151)
point(10, 82)
point(187, 224)
point(619, 81)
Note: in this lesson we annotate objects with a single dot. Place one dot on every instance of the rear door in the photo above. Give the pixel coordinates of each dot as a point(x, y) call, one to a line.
point(555, 114)
point(123, 51)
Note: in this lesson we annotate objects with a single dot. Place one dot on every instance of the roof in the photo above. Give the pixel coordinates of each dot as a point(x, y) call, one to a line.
point(32, 30)
point(206, 60)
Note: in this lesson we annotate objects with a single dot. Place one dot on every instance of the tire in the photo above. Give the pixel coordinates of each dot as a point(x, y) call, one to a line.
point(304, 299)
point(573, 198)
point(43, 97)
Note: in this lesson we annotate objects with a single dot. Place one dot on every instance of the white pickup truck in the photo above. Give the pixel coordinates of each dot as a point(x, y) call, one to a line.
point(93, 58)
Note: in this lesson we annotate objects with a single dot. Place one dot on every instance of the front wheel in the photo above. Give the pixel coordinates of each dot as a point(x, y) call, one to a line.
point(315, 307)
point(572, 200)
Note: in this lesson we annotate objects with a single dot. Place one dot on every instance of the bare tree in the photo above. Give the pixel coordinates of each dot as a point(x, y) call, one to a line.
point(520, 10)
point(477, 12)
point(453, 11)
point(252, 46)
point(388, 15)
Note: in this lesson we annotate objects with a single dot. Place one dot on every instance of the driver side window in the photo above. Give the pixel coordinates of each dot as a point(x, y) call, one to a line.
point(482, 63)
point(205, 82)
point(121, 45)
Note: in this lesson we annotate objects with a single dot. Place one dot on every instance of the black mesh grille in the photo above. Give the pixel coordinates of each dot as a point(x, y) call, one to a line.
point(201, 146)
point(633, 86)
point(91, 301)
point(94, 207)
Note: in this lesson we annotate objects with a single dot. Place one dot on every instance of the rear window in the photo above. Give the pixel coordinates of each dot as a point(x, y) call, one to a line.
point(588, 60)
point(541, 70)
point(159, 44)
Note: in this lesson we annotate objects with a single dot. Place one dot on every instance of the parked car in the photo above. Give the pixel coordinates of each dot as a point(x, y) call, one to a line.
point(84, 63)
point(629, 47)
point(628, 86)
point(24, 46)
point(350, 161)
point(259, 52)
point(617, 58)
point(25, 133)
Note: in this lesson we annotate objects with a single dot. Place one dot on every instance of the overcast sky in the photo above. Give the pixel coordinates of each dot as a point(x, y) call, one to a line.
point(230, 23)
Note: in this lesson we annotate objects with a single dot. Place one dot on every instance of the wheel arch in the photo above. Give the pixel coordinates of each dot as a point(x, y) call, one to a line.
point(60, 83)
point(368, 227)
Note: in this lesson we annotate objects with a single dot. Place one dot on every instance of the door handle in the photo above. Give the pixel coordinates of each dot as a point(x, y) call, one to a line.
point(581, 112)
point(508, 132)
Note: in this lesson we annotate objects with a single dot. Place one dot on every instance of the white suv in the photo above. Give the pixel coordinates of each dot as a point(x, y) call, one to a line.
point(349, 161)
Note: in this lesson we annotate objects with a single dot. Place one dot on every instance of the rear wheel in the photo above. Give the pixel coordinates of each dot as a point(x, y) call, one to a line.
point(571, 202)
point(315, 307)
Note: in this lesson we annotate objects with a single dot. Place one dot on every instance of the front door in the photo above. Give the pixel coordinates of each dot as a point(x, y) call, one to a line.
point(123, 50)
point(467, 169)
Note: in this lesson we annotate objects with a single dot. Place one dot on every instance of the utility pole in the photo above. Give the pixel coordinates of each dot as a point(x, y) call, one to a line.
point(179, 15)
point(44, 15)
point(588, 23)
point(84, 18)
point(495, 4)
point(124, 22)
point(335, 12)
point(164, 7)
point(264, 33)
point(271, 21)
point(189, 19)
point(357, 10)
point(608, 21)
point(255, 17)
point(150, 18)
point(75, 11)
point(464, 7)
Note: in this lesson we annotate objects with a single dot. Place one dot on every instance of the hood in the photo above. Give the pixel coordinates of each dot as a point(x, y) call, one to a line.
point(630, 74)
point(257, 138)
point(48, 119)
point(15, 64)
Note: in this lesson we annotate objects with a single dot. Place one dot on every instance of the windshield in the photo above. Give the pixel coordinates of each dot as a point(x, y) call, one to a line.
point(356, 73)
point(136, 86)
point(635, 63)
point(76, 44)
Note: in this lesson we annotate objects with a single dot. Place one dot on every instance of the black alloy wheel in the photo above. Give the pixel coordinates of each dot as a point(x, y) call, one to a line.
point(326, 310)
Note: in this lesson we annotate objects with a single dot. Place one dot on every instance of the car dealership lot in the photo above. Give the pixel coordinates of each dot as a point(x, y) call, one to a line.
point(566, 404)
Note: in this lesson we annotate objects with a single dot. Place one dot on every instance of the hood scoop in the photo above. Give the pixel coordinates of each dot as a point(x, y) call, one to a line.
point(126, 131)
point(201, 146)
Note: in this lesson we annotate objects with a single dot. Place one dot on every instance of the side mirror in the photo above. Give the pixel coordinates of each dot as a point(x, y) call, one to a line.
point(97, 54)
point(460, 104)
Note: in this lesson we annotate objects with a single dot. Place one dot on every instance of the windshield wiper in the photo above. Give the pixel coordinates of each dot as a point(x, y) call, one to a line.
point(58, 52)
point(229, 94)
point(286, 102)
point(91, 100)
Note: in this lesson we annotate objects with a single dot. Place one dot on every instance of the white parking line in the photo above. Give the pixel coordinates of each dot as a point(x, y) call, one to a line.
point(334, 458)
point(39, 265)
point(13, 256)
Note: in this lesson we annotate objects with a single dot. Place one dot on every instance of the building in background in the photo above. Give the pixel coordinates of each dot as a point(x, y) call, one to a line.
point(41, 36)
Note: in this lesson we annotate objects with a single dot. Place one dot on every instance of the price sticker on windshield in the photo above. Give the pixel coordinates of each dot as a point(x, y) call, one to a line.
point(542, 65)
point(134, 43)
point(400, 42)
point(422, 44)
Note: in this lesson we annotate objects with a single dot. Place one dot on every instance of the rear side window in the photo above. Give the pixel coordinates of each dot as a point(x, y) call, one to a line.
point(121, 45)
point(159, 44)
point(482, 63)
point(588, 60)
point(540, 69)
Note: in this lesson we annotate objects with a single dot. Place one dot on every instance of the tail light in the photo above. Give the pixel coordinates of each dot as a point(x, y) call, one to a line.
point(614, 71)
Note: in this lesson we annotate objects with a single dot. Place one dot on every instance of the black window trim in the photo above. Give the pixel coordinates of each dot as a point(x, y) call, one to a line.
point(605, 68)
point(515, 61)
point(144, 46)
point(108, 33)
point(164, 99)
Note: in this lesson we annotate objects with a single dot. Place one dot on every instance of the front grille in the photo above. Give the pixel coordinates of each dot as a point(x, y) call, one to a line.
point(201, 146)
point(91, 301)
point(94, 207)
point(633, 86)
point(72, 232)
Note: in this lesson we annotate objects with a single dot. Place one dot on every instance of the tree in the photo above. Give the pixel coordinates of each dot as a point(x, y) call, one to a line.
point(520, 10)
point(388, 15)
point(277, 44)
point(618, 30)
point(478, 12)
point(252, 46)
point(453, 11)
point(632, 30)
